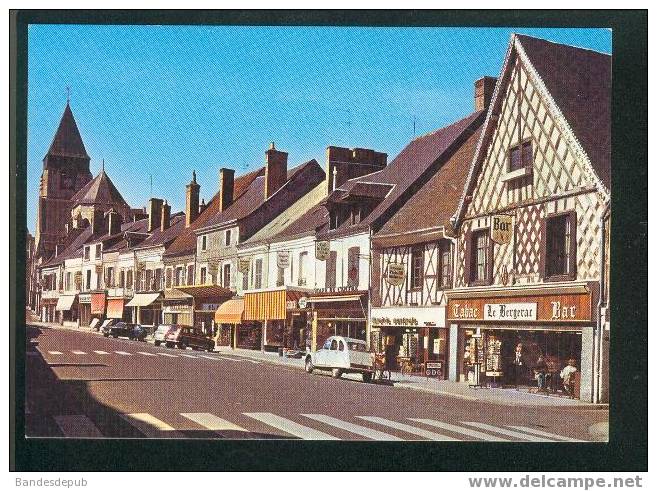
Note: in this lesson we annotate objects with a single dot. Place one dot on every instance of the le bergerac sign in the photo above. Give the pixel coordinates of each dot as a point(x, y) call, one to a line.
point(548, 308)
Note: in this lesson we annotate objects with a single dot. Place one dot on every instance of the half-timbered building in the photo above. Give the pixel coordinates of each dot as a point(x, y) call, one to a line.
point(530, 264)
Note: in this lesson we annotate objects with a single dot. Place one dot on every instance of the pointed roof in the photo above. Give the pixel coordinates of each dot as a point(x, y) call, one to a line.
point(100, 190)
point(67, 141)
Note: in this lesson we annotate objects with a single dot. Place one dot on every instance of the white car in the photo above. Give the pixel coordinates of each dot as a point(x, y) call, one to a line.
point(342, 355)
point(160, 334)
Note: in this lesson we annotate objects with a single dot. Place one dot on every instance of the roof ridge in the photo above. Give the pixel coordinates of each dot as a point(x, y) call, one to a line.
point(520, 35)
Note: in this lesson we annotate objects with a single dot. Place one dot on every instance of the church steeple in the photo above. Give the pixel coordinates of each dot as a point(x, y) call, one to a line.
point(67, 141)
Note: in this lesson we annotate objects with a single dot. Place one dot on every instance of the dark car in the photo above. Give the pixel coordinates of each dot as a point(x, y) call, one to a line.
point(184, 336)
point(128, 330)
point(106, 327)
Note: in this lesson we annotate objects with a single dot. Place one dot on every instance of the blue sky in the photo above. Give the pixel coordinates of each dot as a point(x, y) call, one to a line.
point(165, 100)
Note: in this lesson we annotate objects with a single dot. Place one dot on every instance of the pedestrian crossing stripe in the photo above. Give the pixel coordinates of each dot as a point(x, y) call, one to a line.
point(289, 426)
point(77, 426)
point(145, 353)
point(212, 422)
point(150, 426)
point(504, 431)
point(101, 352)
point(353, 428)
point(460, 429)
point(409, 429)
point(189, 356)
point(534, 431)
point(76, 352)
point(168, 354)
point(123, 353)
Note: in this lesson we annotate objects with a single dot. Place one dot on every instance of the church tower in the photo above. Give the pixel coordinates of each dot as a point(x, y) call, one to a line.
point(65, 172)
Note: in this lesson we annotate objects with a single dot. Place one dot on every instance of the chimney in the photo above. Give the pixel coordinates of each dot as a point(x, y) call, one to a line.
point(191, 203)
point(165, 222)
point(98, 222)
point(226, 187)
point(484, 88)
point(275, 170)
point(202, 207)
point(154, 213)
point(343, 164)
point(114, 221)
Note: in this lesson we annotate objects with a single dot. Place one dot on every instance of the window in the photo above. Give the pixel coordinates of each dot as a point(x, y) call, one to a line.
point(97, 251)
point(169, 275)
point(480, 257)
point(98, 278)
point(227, 238)
point(128, 280)
point(149, 280)
point(69, 283)
point(353, 264)
point(355, 214)
point(178, 277)
point(110, 277)
point(560, 247)
point(341, 346)
point(245, 278)
point(158, 279)
point(190, 274)
point(331, 264)
point(203, 275)
point(121, 278)
point(303, 267)
point(521, 156)
point(334, 345)
point(226, 275)
point(445, 265)
point(204, 242)
point(417, 267)
point(258, 274)
point(280, 277)
point(86, 252)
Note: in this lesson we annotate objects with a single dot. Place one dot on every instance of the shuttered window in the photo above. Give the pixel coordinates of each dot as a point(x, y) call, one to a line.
point(417, 267)
point(331, 263)
point(258, 274)
point(559, 247)
point(445, 265)
point(353, 265)
point(190, 274)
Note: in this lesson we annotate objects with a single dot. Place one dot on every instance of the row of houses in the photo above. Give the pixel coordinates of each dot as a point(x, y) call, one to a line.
point(485, 234)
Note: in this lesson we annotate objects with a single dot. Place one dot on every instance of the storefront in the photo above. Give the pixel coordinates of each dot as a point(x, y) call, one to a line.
point(228, 319)
point(341, 312)
point(146, 308)
point(84, 306)
point(280, 317)
point(412, 335)
point(178, 308)
point(48, 309)
point(98, 304)
point(116, 309)
point(67, 309)
point(490, 328)
point(206, 299)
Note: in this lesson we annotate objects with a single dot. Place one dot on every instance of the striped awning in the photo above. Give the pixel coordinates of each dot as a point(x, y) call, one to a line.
point(269, 305)
point(65, 302)
point(115, 308)
point(98, 303)
point(230, 312)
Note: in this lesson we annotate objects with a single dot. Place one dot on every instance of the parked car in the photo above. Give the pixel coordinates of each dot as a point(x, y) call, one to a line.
point(106, 327)
point(160, 334)
point(128, 330)
point(185, 336)
point(342, 355)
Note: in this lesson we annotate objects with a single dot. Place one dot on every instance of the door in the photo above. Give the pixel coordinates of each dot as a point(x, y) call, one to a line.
point(321, 356)
point(333, 355)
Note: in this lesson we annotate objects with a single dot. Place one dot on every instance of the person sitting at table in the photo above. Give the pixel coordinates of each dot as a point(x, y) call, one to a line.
point(540, 373)
point(568, 377)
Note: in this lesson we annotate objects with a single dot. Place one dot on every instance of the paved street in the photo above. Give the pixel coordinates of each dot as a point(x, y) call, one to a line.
point(84, 385)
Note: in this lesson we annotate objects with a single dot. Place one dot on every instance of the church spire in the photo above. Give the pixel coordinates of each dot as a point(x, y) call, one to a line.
point(67, 141)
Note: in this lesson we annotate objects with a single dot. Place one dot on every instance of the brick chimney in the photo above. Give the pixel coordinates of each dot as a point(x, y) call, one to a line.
point(154, 213)
point(114, 221)
point(275, 170)
point(165, 221)
point(226, 187)
point(343, 164)
point(98, 222)
point(191, 202)
point(484, 88)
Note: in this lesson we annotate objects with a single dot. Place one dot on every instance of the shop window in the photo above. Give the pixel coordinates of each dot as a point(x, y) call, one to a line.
point(226, 275)
point(481, 257)
point(560, 247)
point(303, 268)
point(521, 156)
point(331, 265)
point(190, 274)
point(204, 274)
point(353, 264)
point(227, 238)
point(445, 265)
point(417, 267)
point(280, 277)
point(204, 242)
point(258, 274)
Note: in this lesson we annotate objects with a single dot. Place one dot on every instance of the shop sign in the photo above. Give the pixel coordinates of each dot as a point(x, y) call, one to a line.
point(84, 298)
point(408, 316)
point(501, 230)
point(303, 302)
point(210, 306)
point(510, 312)
point(339, 289)
point(283, 260)
point(401, 321)
point(395, 274)
point(547, 308)
point(176, 309)
point(243, 265)
point(322, 250)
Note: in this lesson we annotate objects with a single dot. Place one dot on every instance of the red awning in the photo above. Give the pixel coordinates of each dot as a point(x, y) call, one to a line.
point(98, 303)
point(115, 308)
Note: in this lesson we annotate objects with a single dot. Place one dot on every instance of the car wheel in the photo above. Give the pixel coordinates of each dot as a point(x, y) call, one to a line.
point(168, 345)
point(309, 365)
point(336, 373)
point(182, 346)
point(115, 336)
point(156, 343)
point(105, 335)
point(367, 377)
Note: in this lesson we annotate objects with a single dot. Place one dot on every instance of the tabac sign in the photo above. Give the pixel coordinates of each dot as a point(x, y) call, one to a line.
point(322, 250)
point(501, 229)
point(395, 274)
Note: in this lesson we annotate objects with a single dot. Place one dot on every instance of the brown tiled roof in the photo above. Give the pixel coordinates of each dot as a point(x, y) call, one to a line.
point(579, 81)
point(185, 243)
point(67, 141)
point(100, 190)
point(165, 237)
point(118, 243)
point(435, 202)
point(414, 163)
